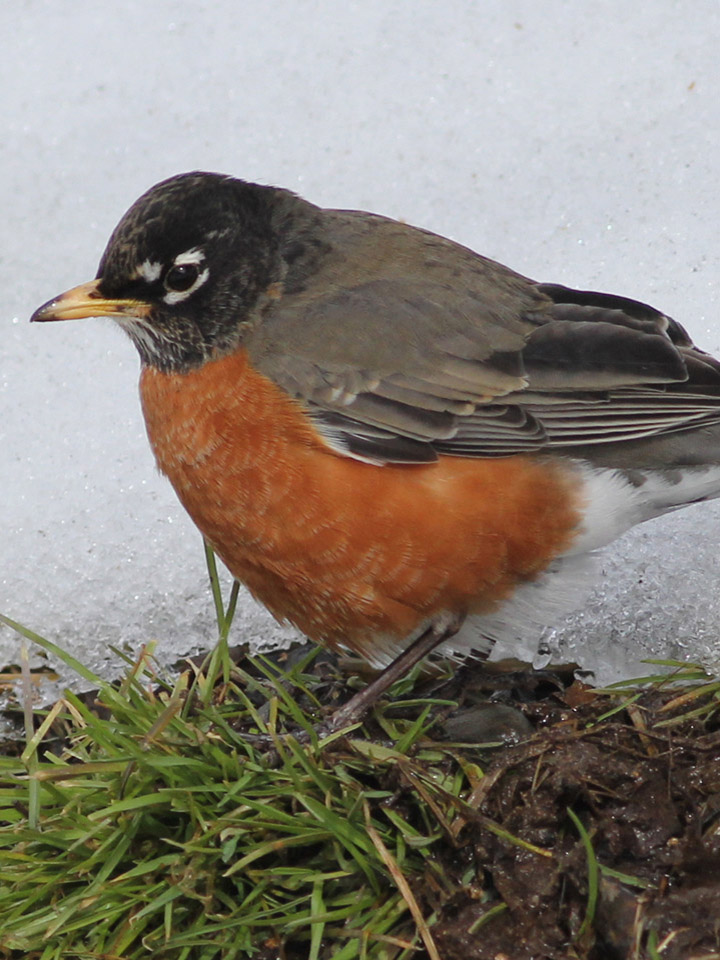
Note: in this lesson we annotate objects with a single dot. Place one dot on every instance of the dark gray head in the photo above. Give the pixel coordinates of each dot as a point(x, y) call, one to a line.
point(191, 264)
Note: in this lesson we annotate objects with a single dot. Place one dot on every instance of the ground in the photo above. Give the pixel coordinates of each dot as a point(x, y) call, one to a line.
point(530, 817)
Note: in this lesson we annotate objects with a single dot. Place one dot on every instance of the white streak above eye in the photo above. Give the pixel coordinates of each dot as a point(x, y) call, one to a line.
point(149, 271)
point(196, 256)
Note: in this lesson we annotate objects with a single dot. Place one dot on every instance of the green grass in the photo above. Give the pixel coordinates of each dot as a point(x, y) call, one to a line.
point(170, 835)
point(151, 823)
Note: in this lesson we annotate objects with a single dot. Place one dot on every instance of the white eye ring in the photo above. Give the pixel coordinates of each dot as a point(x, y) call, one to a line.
point(185, 276)
point(181, 277)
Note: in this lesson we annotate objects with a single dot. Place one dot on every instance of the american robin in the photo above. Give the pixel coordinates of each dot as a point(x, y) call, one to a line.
point(391, 440)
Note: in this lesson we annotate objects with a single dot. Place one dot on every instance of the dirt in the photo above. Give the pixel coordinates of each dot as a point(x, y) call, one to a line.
point(644, 784)
point(648, 795)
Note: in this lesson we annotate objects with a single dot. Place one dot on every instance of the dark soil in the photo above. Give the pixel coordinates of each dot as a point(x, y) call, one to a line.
point(645, 785)
point(648, 797)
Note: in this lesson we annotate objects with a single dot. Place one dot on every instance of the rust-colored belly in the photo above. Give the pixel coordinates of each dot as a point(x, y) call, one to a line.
point(349, 552)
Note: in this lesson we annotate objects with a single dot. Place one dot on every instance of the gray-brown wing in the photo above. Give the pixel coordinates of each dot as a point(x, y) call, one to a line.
point(465, 357)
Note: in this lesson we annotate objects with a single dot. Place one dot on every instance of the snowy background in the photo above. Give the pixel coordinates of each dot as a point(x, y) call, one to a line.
point(575, 142)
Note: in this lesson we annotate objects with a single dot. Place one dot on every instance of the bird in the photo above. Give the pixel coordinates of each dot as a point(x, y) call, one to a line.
point(396, 444)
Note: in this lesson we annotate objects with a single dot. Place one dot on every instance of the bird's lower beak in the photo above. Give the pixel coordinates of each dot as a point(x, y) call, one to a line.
point(87, 301)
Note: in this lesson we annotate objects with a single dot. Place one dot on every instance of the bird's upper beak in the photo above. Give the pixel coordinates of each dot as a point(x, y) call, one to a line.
point(87, 301)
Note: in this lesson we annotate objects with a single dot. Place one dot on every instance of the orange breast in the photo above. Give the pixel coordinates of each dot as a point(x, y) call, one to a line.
point(349, 552)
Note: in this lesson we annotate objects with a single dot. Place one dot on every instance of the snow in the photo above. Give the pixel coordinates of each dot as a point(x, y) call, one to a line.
point(576, 143)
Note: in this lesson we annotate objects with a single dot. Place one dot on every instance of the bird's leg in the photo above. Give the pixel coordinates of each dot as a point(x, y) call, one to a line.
point(440, 630)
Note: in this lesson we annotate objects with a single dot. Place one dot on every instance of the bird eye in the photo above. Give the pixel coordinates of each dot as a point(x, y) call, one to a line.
point(181, 277)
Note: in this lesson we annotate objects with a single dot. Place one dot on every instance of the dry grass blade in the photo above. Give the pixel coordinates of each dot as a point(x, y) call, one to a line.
point(403, 887)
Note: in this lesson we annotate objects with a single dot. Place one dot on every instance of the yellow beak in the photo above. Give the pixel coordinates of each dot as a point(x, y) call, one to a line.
point(87, 301)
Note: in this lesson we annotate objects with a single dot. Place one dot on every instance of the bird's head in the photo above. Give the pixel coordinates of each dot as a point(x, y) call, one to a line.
point(188, 267)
